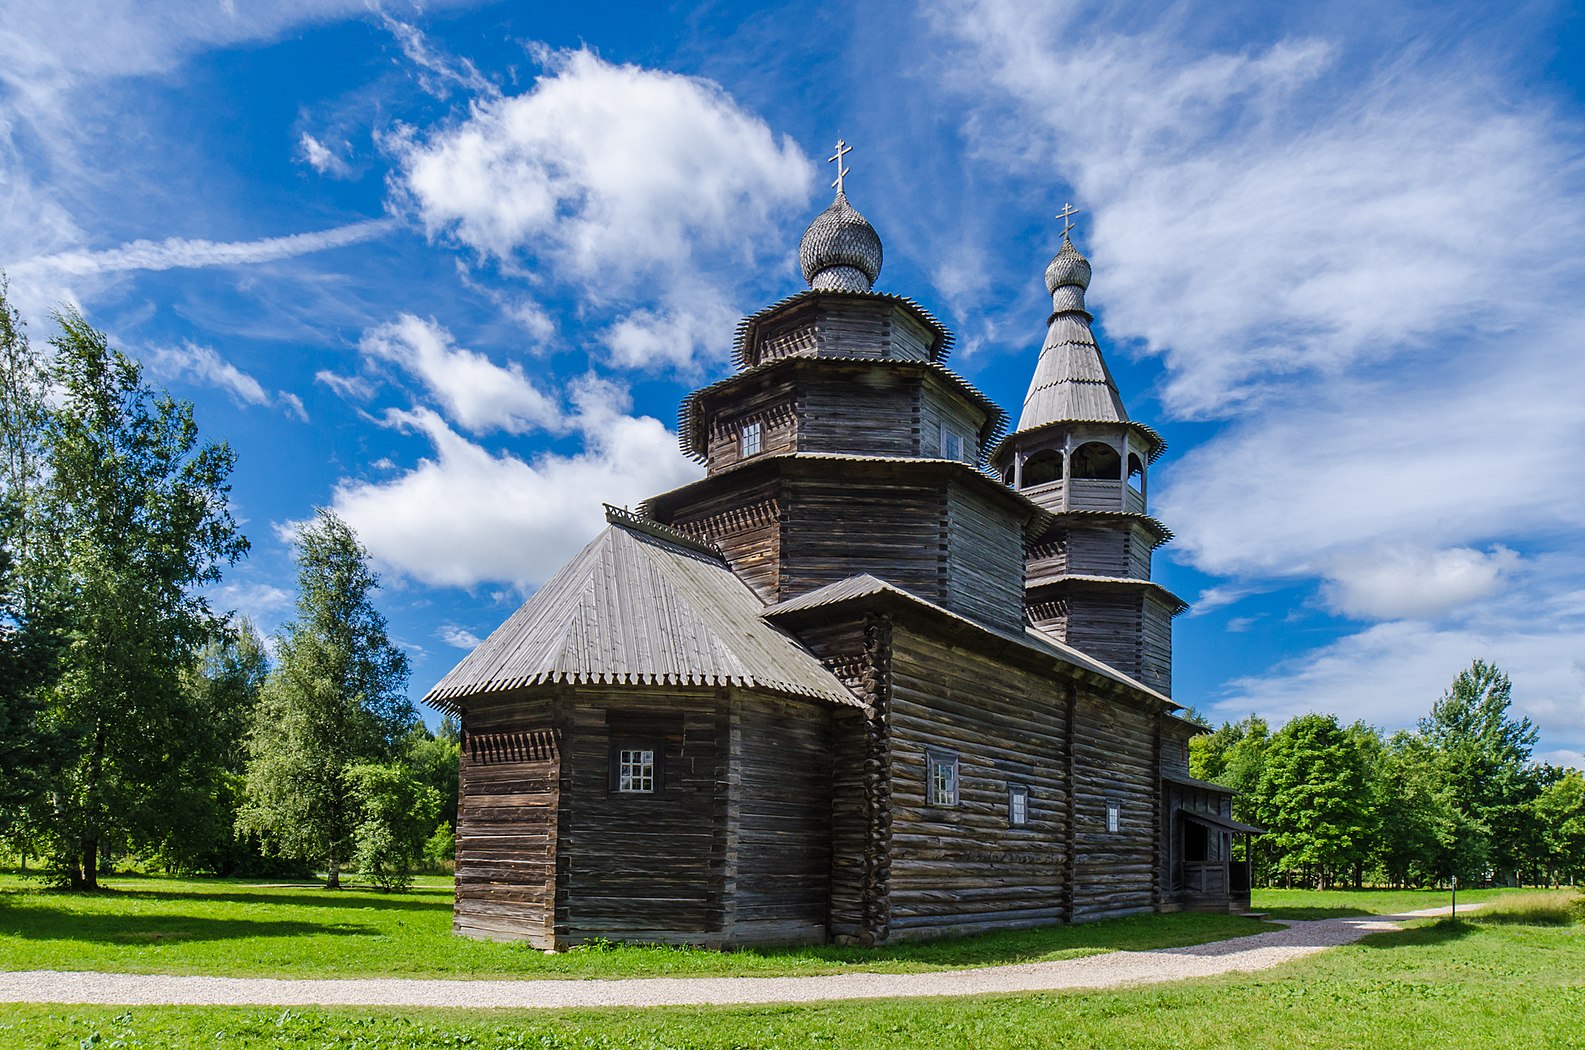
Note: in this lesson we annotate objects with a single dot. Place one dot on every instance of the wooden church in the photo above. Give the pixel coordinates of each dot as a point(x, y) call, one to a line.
point(886, 671)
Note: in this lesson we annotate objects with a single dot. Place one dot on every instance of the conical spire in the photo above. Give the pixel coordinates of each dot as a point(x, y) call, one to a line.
point(840, 250)
point(1071, 381)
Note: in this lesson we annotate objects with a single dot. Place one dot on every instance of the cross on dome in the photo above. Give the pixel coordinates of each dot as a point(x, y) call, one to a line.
point(1066, 215)
point(842, 149)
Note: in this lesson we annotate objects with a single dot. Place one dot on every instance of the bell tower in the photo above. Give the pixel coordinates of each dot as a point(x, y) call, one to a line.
point(1077, 454)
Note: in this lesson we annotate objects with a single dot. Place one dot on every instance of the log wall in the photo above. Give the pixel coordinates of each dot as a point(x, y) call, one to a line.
point(746, 525)
point(506, 820)
point(985, 559)
point(963, 868)
point(1116, 758)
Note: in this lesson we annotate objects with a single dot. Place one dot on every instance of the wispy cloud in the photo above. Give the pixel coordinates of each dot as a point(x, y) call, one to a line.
point(460, 637)
point(184, 253)
point(204, 365)
point(323, 158)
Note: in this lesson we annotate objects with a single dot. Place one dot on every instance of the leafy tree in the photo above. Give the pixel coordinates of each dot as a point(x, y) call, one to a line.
point(435, 760)
point(1317, 803)
point(335, 699)
point(223, 682)
point(138, 522)
point(1426, 836)
point(1484, 754)
point(1560, 810)
point(397, 814)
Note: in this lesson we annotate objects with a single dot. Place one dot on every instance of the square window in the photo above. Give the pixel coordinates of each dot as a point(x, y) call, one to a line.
point(748, 440)
point(1017, 805)
point(951, 445)
point(942, 788)
point(635, 770)
point(1114, 816)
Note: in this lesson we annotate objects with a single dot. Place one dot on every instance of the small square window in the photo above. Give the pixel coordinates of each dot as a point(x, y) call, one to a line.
point(951, 445)
point(748, 440)
point(1114, 816)
point(942, 788)
point(635, 770)
point(1017, 805)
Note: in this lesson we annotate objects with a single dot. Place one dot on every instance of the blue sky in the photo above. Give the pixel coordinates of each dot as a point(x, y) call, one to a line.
point(448, 268)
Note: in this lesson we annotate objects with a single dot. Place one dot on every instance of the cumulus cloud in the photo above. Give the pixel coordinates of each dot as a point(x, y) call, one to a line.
point(476, 393)
point(1389, 675)
point(1365, 268)
point(460, 637)
point(642, 189)
point(468, 515)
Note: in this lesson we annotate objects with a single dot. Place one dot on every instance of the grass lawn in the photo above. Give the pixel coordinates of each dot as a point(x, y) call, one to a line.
point(233, 928)
point(1482, 984)
point(1328, 904)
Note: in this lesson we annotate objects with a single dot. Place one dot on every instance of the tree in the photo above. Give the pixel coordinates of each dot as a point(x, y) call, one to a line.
point(1318, 805)
point(1427, 837)
point(336, 698)
point(1560, 810)
point(138, 522)
point(397, 814)
point(223, 682)
point(1484, 754)
point(28, 650)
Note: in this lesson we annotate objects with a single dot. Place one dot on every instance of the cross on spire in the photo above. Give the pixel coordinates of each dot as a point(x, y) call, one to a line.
point(842, 149)
point(1066, 215)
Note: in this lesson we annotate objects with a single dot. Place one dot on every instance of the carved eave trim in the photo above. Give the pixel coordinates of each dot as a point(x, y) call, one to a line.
point(749, 327)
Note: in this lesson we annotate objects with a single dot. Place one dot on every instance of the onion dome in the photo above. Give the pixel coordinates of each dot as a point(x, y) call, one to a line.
point(1067, 277)
point(840, 250)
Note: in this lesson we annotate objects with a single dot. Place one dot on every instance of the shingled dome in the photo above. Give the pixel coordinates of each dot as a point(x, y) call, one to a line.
point(1067, 268)
point(840, 250)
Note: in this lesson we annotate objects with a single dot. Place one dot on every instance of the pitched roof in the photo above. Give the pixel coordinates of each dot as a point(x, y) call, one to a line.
point(1071, 380)
point(641, 605)
point(854, 588)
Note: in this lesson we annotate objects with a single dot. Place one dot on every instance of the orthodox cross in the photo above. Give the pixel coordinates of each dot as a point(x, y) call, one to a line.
point(1066, 215)
point(842, 149)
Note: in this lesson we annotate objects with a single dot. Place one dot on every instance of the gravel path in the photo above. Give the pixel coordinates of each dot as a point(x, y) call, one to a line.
point(1114, 969)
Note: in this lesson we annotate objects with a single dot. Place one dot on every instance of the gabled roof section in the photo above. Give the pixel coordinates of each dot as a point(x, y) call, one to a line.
point(867, 587)
point(1071, 380)
point(748, 327)
point(641, 605)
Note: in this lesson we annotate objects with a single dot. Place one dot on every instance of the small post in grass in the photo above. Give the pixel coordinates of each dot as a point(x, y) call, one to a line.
point(1455, 896)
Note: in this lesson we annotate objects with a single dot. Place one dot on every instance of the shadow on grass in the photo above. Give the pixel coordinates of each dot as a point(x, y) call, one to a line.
point(48, 925)
point(1442, 931)
point(347, 900)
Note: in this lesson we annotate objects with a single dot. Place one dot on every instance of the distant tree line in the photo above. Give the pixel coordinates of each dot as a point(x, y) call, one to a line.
point(1457, 797)
point(139, 724)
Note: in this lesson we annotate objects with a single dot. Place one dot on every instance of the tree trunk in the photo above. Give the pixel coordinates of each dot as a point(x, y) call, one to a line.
point(90, 862)
point(333, 874)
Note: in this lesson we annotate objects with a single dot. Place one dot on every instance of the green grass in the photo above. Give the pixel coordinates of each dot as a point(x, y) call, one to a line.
point(1447, 984)
point(231, 928)
point(1329, 904)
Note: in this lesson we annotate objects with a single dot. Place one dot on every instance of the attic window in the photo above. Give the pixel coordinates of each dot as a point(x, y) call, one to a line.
point(1017, 805)
point(952, 445)
point(942, 786)
point(748, 440)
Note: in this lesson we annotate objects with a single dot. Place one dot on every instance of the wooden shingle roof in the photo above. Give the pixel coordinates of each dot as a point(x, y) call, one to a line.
point(641, 605)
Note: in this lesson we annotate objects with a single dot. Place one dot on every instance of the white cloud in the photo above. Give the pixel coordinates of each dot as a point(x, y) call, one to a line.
point(1390, 674)
point(203, 364)
point(646, 191)
point(674, 334)
point(293, 405)
point(457, 636)
point(476, 393)
point(1406, 583)
point(181, 252)
point(437, 71)
point(468, 516)
point(353, 388)
point(322, 158)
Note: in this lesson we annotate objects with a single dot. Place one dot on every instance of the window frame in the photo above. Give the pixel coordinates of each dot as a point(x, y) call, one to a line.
point(657, 767)
point(1017, 815)
point(939, 759)
point(1114, 816)
point(748, 428)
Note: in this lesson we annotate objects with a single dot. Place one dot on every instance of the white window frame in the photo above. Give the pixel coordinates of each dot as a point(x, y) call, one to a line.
point(1017, 805)
point(635, 770)
point(941, 778)
point(749, 439)
point(952, 445)
point(1114, 816)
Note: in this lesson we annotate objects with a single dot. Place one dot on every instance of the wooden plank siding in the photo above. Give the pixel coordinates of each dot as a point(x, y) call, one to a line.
point(1116, 758)
point(746, 526)
point(874, 412)
point(506, 825)
point(963, 868)
point(984, 562)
